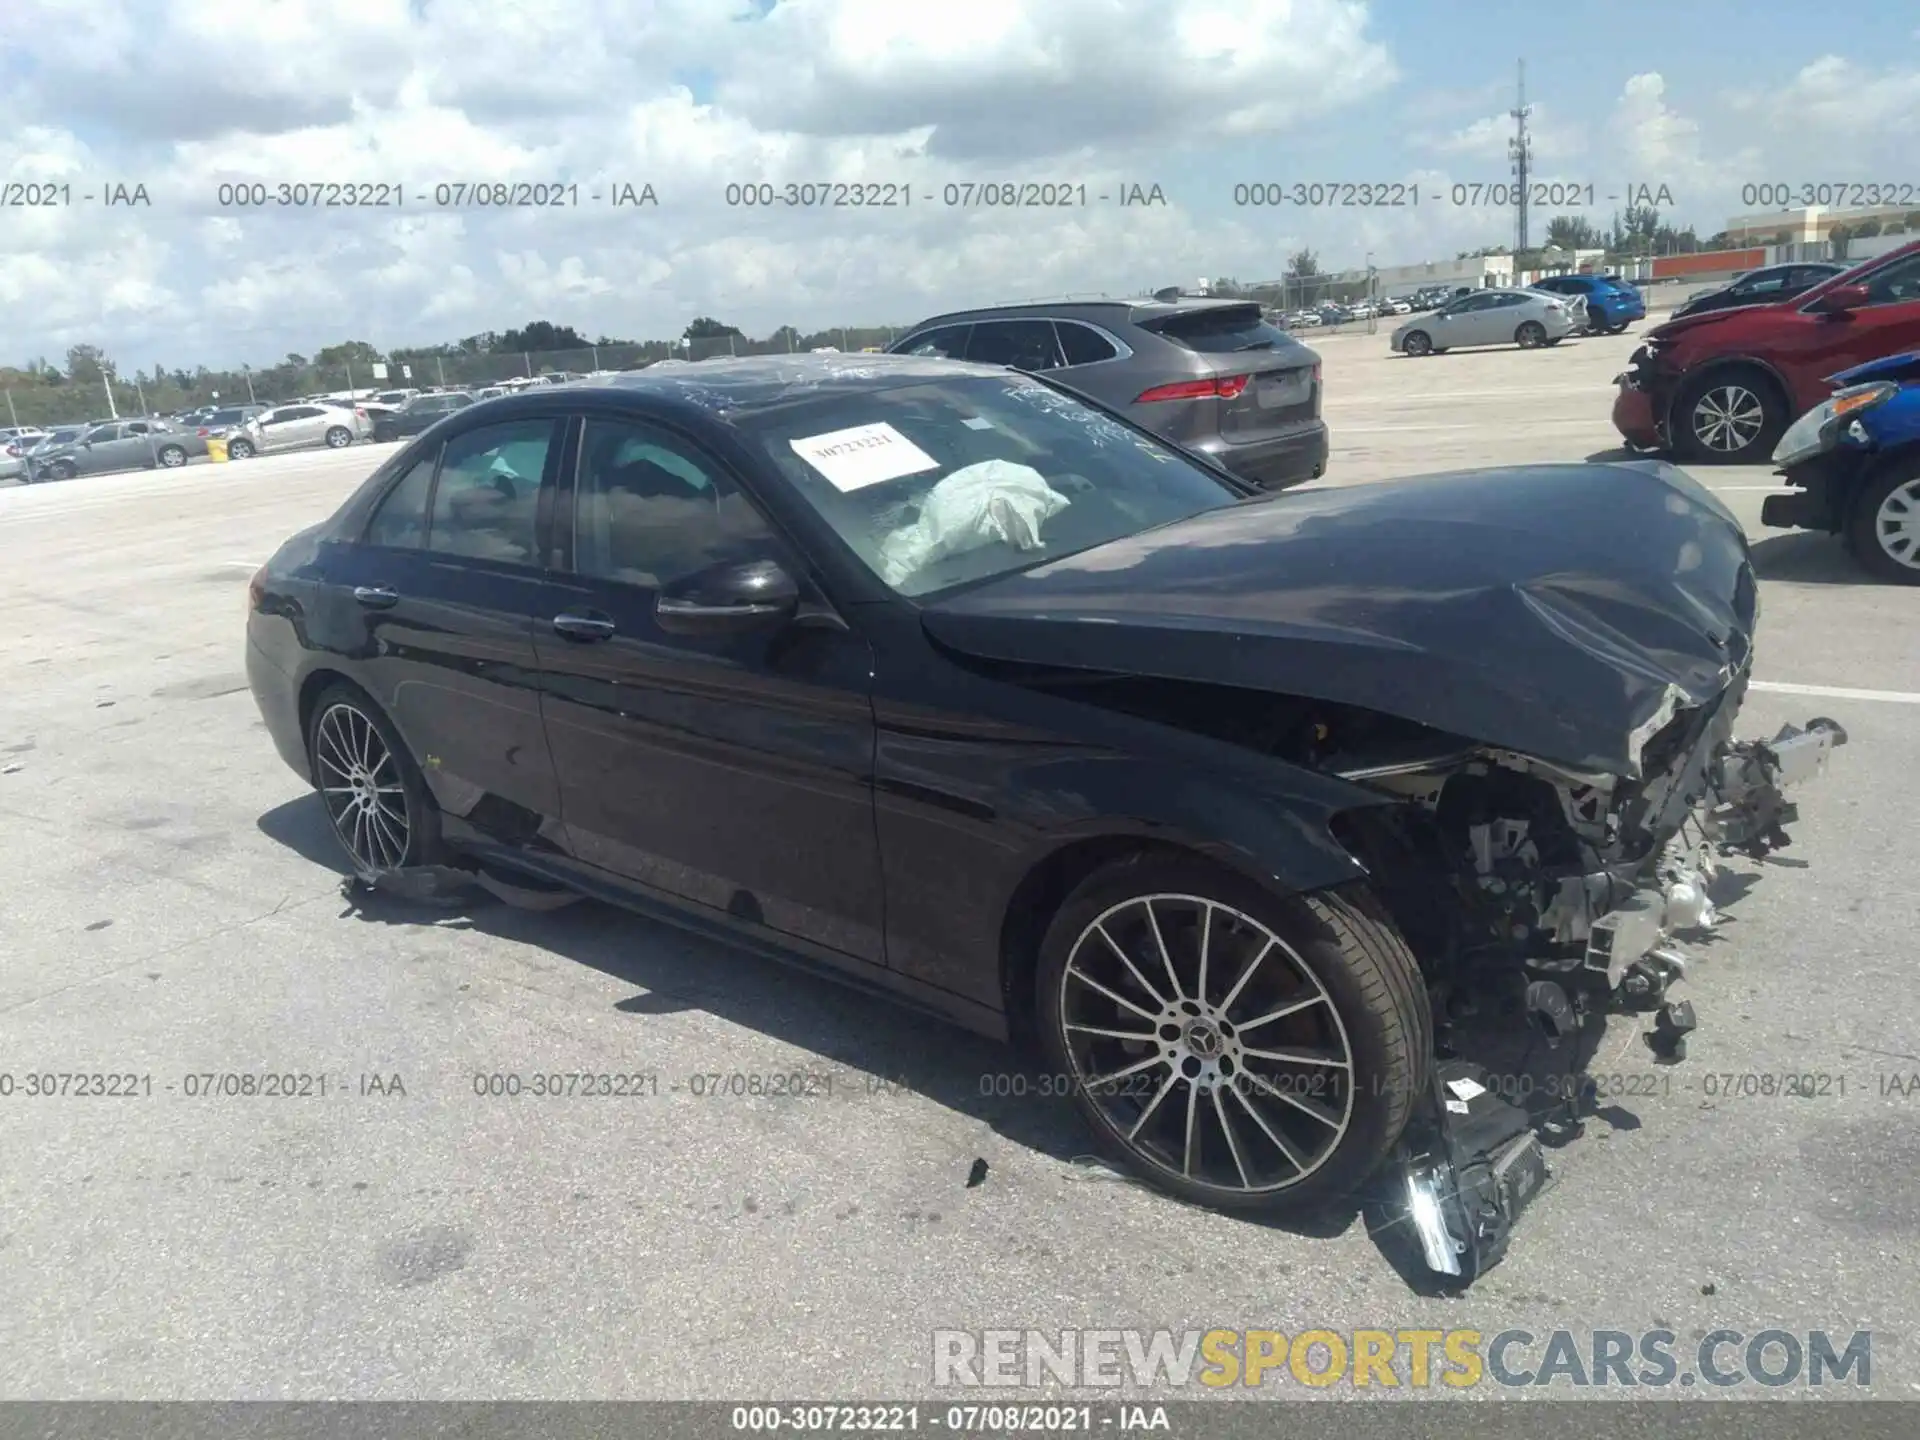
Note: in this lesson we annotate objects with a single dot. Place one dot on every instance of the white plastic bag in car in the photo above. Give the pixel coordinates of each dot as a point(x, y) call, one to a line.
point(994, 501)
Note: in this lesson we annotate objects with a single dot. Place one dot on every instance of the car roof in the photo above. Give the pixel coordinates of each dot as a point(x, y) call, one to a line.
point(736, 387)
point(1106, 311)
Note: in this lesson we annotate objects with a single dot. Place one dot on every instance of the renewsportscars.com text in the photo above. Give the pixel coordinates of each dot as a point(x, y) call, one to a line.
point(1415, 1359)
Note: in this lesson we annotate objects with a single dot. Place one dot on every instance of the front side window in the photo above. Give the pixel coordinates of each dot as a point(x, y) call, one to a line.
point(949, 342)
point(940, 484)
point(650, 510)
point(485, 504)
point(1895, 284)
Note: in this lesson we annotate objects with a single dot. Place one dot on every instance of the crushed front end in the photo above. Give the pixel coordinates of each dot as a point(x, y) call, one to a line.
point(1540, 901)
point(1643, 399)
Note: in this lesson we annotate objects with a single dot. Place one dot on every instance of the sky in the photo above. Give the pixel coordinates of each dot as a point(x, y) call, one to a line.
point(428, 101)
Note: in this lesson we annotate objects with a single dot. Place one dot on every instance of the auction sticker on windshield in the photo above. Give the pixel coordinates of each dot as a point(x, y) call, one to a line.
point(862, 456)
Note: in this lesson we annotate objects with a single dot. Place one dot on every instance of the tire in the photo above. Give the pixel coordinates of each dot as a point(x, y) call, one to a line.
point(339, 437)
point(1883, 527)
point(1336, 976)
point(1530, 336)
point(1733, 416)
point(1553, 340)
point(239, 450)
point(61, 470)
point(1417, 343)
point(172, 457)
point(364, 822)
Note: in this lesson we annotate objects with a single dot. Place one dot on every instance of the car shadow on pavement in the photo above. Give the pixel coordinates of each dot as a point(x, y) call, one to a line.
point(1808, 557)
point(870, 1044)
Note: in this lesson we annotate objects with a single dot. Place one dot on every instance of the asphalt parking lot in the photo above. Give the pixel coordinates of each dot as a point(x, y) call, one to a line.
point(175, 908)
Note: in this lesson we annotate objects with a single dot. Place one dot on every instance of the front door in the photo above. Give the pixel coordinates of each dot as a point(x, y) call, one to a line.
point(734, 771)
point(444, 589)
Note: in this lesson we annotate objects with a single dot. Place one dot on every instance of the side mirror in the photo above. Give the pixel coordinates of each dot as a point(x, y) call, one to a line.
point(724, 599)
point(1841, 299)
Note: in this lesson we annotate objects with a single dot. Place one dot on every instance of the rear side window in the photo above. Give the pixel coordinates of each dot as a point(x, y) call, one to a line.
point(1083, 345)
point(485, 504)
point(1023, 344)
point(401, 521)
point(1223, 331)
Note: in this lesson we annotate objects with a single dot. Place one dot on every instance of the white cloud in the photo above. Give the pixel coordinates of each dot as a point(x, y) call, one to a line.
point(689, 96)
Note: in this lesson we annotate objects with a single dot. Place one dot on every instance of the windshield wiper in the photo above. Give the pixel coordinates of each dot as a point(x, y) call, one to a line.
point(1256, 345)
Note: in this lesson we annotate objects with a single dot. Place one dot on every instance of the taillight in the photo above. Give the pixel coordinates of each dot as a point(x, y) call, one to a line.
point(1225, 387)
point(359, 412)
point(203, 432)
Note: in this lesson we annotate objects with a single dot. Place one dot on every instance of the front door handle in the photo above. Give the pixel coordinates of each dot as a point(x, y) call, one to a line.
point(376, 597)
point(586, 626)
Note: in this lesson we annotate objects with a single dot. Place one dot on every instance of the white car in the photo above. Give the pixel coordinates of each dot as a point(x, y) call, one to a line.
point(1396, 307)
point(15, 441)
point(1304, 320)
point(298, 427)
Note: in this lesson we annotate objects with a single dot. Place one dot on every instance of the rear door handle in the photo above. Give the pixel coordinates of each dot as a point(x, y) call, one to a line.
point(376, 597)
point(588, 625)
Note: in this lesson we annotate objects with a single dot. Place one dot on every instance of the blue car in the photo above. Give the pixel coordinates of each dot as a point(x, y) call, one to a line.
point(1612, 303)
point(1854, 463)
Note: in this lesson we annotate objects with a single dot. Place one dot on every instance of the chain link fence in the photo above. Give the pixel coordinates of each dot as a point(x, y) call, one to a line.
point(30, 399)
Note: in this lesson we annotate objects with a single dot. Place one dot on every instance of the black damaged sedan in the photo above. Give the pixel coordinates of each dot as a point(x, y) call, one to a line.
point(1258, 817)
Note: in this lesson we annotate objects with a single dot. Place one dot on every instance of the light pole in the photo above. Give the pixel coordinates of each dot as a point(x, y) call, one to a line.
point(248, 372)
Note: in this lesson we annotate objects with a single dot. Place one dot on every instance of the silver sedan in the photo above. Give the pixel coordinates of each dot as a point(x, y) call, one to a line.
point(1527, 318)
point(298, 427)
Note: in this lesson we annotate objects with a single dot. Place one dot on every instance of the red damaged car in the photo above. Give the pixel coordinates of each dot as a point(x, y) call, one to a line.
point(1726, 384)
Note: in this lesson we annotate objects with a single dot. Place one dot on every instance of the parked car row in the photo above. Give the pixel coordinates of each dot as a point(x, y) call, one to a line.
point(1811, 372)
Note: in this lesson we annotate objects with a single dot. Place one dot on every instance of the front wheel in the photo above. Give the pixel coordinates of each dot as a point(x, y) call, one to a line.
point(339, 437)
point(1418, 343)
point(172, 457)
point(1530, 336)
point(1884, 529)
point(1734, 417)
point(61, 470)
point(375, 797)
point(1234, 1048)
point(239, 450)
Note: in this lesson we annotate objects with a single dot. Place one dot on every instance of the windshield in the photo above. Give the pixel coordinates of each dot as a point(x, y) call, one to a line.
point(955, 481)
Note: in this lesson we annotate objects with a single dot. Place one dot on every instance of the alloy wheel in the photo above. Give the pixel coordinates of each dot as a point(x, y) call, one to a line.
point(361, 784)
point(1728, 418)
point(1207, 1044)
point(173, 458)
point(1896, 524)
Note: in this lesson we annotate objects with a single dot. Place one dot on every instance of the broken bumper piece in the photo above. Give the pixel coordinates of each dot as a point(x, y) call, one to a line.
point(1471, 1161)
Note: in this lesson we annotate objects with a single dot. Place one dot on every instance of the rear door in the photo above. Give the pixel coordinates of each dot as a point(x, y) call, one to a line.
point(444, 585)
point(734, 771)
point(1255, 382)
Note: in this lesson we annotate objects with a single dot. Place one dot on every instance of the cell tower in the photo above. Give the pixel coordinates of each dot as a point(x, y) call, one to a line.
point(1521, 149)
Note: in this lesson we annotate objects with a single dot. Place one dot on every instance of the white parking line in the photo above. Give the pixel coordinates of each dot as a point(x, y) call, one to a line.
point(1836, 692)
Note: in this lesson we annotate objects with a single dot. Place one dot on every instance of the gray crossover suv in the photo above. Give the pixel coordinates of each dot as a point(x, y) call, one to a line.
point(1210, 375)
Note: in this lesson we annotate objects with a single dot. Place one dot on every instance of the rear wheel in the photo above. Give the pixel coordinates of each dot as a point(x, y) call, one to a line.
point(1733, 416)
point(1531, 335)
point(1233, 1048)
point(1884, 528)
point(239, 450)
point(339, 437)
point(1417, 343)
point(375, 796)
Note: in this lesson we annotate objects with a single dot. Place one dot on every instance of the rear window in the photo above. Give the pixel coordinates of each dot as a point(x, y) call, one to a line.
point(1222, 331)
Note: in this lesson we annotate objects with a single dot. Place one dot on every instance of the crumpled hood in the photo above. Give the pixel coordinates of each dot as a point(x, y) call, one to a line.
point(1557, 610)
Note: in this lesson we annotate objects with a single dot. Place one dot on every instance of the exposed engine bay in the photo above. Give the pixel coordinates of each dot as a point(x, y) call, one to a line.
point(1538, 901)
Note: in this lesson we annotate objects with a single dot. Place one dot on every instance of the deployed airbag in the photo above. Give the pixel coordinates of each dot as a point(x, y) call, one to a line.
point(992, 502)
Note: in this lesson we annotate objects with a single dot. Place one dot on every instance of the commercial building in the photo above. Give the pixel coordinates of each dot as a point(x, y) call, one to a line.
point(1814, 224)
